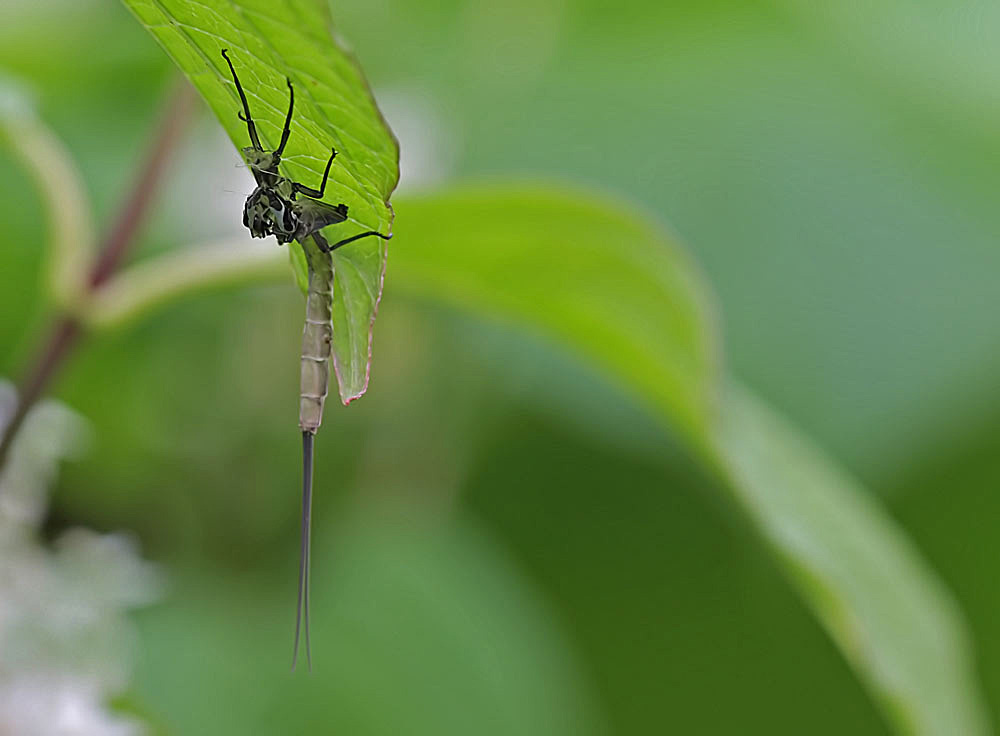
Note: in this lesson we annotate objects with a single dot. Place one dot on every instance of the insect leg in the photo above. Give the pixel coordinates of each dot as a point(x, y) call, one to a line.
point(316, 193)
point(320, 241)
point(351, 239)
point(288, 120)
point(245, 117)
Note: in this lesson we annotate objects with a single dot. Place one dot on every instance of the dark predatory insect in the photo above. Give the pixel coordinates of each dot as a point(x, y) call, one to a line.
point(275, 208)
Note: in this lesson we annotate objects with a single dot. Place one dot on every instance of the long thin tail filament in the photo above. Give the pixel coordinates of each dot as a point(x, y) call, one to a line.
point(302, 613)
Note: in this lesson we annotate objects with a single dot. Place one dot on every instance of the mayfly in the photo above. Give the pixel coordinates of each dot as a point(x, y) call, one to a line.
point(276, 208)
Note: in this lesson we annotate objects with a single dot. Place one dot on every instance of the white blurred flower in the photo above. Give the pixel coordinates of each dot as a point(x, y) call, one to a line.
point(65, 641)
point(58, 706)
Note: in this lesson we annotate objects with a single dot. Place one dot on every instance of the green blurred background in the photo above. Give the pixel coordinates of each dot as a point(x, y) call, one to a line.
point(503, 545)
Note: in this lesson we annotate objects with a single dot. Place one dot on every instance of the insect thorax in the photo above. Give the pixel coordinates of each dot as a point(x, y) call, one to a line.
point(265, 162)
point(267, 212)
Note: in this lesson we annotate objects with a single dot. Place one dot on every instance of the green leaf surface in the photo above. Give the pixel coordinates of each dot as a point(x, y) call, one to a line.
point(269, 41)
point(614, 288)
point(599, 278)
point(358, 276)
point(860, 574)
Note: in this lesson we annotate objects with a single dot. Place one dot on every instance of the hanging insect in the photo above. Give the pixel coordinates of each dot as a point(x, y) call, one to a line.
point(275, 208)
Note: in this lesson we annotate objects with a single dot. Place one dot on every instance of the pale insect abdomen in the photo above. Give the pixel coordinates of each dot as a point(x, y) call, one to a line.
point(317, 339)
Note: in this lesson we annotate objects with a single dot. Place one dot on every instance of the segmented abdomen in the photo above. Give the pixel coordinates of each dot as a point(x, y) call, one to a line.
point(317, 337)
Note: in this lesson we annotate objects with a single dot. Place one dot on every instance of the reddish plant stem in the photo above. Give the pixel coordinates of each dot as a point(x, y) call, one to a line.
point(65, 334)
point(61, 341)
point(132, 213)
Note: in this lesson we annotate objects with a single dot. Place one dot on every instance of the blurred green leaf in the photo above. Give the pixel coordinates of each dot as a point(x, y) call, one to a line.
point(857, 570)
point(422, 629)
point(269, 42)
point(161, 280)
point(615, 289)
point(71, 229)
point(596, 276)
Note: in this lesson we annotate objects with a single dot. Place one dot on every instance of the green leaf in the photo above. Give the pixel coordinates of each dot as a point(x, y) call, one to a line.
point(596, 276)
point(156, 282)
point(359, 274)
point(60, 185)
point(614, 288)
point(863, 578)
point(269, 40)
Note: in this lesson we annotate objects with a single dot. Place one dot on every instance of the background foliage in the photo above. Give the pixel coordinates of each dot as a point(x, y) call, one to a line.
point(839, 201)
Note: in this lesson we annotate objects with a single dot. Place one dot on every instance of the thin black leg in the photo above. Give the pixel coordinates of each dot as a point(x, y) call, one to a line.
point(320, 241)
point(245, 117)
point(351, 239)
point(316, 193)
point(288, 120)
point(325, 246)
